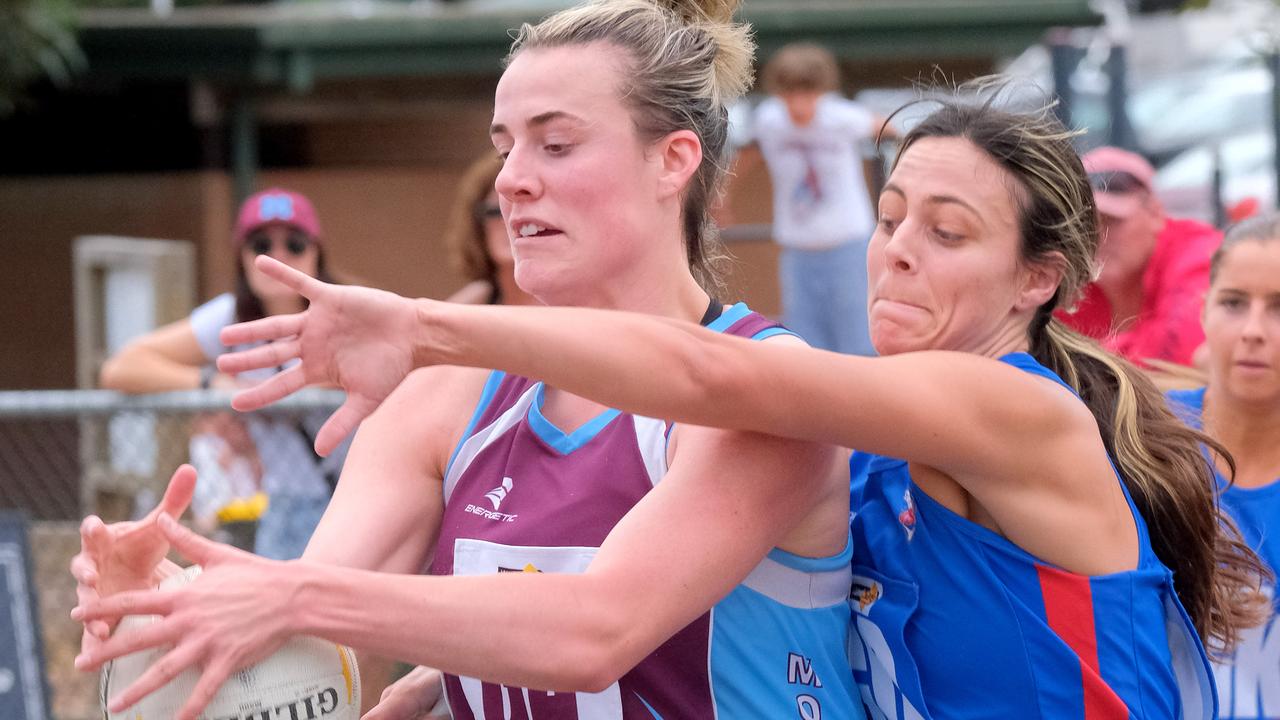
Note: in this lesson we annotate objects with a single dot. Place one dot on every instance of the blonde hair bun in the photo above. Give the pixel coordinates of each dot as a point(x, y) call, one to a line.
point(735, 48)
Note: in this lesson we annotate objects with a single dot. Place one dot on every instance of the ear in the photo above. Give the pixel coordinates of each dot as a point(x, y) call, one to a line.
point(1040, 281)
point(679, 154)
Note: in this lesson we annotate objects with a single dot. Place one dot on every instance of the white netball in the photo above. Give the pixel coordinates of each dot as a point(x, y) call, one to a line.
point(306, 679)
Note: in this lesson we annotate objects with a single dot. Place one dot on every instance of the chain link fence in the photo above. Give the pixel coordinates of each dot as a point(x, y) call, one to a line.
point(65, 454)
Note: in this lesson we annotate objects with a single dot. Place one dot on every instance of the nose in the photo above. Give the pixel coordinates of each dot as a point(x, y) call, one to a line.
point(518, 180)
point(899, 253)
point(1255, 322)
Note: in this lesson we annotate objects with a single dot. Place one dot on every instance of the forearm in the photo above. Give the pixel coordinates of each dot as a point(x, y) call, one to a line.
point(557, 637)
point(645, 365)
point(142, 372)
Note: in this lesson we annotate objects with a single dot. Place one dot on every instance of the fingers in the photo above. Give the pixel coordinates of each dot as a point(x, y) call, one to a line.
point(126, 643)
point(270, 355)
point(276, 327)
point(87, 592)
point(391, 707)
point(394, 705)
point(94, 536)
point(95, 631)
point(84, 570)
point(155, 677)
point(177, 496)
point(300, 282)
point(193, 547)
point(342, 423)
point(277, 386)
point(135, 602)
point(413, 697)
point(215, 673)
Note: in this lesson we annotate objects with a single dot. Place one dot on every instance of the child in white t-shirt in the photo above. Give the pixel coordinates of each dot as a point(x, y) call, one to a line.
point(811, 141)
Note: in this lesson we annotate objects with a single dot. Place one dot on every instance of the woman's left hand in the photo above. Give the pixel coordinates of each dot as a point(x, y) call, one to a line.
point(359, 339)
point(234, 614)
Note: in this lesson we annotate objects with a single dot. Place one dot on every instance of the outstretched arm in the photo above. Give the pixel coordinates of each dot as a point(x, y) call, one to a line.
point(1020, 444)
point(935, 408)
point(726, 499)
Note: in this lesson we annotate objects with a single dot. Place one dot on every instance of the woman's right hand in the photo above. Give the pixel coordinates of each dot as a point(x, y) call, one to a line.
point(416, 696)
point(357, 338)
point(126, 555)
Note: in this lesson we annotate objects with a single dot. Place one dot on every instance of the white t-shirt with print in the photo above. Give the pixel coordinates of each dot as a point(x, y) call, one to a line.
point(820, 195)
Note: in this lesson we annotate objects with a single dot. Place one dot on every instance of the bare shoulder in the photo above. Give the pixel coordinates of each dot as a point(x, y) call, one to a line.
point(429, 410)
point(435, 395)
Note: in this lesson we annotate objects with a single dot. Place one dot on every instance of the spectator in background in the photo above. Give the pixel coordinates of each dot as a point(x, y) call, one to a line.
point(811, 140)
point(180, 356)
point(1240, 408)
point(477, 239)
point(1153, 269)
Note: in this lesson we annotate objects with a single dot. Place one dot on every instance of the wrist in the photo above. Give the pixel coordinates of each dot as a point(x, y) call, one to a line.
point(303, 582)
point(433, 334)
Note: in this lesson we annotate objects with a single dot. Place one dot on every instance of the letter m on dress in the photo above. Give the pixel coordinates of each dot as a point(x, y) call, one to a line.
point(800, 671)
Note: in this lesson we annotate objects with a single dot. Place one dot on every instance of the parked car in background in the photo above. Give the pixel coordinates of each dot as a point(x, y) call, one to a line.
point(1182, 111)
point(1246, 161)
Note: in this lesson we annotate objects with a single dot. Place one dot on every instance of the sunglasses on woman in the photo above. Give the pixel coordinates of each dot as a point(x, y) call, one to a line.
point(488, 211)
point(295, 243)
point(1116, 181)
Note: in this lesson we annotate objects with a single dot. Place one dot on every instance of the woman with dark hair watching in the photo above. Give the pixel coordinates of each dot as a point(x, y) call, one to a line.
point(180, 356)
point(1036, 534)
point(1239, 407)
point(478, 241)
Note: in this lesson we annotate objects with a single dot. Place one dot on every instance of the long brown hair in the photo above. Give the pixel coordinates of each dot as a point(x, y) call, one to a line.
point(465, 233)
point(1159, 459)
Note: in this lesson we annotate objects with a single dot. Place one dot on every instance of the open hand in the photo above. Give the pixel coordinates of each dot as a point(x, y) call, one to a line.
point(233, 615)
point(354, 337)
point(126, 556)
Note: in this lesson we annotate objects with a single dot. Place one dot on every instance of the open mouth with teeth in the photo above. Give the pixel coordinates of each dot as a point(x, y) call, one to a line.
point(533, 230)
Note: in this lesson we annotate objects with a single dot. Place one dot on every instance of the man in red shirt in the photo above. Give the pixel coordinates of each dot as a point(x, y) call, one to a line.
point(1153, 270)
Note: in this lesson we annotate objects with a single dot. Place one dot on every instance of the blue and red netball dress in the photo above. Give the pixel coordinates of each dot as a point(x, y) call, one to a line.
point(953, 620)
point(523, 496)
point(1249, 679)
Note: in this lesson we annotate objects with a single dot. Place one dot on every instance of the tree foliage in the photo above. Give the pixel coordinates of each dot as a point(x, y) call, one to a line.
point(37, 43)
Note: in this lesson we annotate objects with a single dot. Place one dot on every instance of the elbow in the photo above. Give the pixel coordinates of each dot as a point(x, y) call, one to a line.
point(593, 668)
point(110, 375)
point(593, 660)
point(605, 665)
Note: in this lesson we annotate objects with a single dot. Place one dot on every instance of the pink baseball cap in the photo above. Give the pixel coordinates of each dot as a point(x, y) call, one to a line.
point(275, 206)
point(1121, 180)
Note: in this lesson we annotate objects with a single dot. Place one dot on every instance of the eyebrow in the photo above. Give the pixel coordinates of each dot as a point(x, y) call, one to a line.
point(935, 199)
point(537, 120)
point(1229, 290)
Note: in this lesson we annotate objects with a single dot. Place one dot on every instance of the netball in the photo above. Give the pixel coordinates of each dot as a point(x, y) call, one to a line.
point(307, 678)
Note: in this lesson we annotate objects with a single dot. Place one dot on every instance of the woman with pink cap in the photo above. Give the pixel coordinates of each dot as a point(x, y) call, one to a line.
point(179, 356)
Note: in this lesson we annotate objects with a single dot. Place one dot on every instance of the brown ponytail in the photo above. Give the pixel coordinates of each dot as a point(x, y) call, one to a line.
point(1172, 483)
